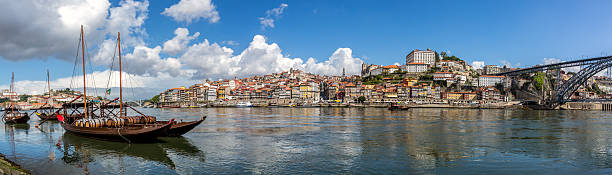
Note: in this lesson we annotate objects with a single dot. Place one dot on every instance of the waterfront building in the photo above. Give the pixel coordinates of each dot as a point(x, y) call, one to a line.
point(490, 80)
point(421, 56)
point(416, 67)
point(444, 76)
point(491, 69)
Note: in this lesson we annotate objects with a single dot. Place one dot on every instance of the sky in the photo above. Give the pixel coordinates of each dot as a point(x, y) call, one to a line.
point(177, 43)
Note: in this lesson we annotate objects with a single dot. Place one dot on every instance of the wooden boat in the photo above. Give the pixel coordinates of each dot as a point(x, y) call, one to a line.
point(128, 133)
point(14, 117)
point(12, 114)
point(180, 128)
point(106, 124)
point(46, 111)
point(394, 106)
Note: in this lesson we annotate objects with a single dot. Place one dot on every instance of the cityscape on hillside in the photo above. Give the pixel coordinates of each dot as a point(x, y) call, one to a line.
point(426, 78)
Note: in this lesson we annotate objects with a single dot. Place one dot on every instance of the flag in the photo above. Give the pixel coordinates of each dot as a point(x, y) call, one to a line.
point(108, 91)
point(60, 118)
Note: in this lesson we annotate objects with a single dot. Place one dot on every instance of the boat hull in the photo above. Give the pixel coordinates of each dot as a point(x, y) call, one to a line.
point(130, 133)
point(180, 128)
point(45, 116)
point(18, 119)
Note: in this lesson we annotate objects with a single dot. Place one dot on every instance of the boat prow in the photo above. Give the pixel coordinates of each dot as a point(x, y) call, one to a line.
point(180, 128)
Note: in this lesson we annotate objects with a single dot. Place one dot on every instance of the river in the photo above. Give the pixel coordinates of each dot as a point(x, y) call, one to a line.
point(334, 141)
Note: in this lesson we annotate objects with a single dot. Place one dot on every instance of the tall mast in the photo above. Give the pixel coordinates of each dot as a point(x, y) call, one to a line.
point(84, 86)
point(49, 86)
point(120, 87)
point(11, 91)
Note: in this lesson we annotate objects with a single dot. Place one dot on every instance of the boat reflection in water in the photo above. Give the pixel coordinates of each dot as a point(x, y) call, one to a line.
point(80, 151)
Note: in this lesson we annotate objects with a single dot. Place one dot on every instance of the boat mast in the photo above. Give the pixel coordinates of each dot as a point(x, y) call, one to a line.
point(49, 86)
point(11, 91)
point(84, 88)
point(120, 87)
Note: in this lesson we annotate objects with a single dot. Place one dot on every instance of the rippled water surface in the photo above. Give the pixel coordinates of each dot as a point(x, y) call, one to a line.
point(334, 141)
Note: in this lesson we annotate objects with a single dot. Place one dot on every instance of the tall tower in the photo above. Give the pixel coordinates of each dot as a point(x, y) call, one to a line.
point(343, 73)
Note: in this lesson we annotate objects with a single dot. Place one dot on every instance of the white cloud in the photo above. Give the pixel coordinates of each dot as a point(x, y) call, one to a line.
point(192, 10)
point(261, 58)
point(128, 19)
point(478, 64)
point(177, 44)
point(341, 59)
point(42, 29)
point(551, 60)
point(147, 61)
point(271, 16)
point(230, 43)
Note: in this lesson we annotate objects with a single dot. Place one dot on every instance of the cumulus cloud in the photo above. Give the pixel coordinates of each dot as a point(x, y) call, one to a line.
point(341, 59)
point(259, 58)
point(478, 64)
point(180, 41)
point(551, 60)
point(51, 29)
point(271, 16)
point(230, 43)
point(43, 29)
point(193, 10)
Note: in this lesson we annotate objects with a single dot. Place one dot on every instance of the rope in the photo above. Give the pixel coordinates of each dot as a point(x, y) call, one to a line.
point(92, 70)
point(76, 60)
point(110, 73)
point(129, 142)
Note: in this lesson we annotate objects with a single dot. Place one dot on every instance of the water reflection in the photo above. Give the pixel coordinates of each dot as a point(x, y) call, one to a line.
point(335, 141)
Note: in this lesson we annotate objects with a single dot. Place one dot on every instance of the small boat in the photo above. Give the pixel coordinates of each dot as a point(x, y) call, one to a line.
point(14, 117)
point(46, 111)
point(394, 106)
point(180, 128)
point(244, 104)
point(12, 114)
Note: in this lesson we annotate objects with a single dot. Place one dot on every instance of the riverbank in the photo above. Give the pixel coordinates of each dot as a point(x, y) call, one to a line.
point(10, 167)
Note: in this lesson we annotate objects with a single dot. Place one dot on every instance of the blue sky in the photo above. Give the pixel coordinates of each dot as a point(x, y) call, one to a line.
point(520, 33)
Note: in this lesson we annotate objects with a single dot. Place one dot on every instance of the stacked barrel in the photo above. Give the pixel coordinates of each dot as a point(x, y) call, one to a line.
point(139, 120)
point(114, 121)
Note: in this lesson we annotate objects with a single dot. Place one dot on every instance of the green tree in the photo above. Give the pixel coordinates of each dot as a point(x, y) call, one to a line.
point(538, 80)
point(426, 77)
point(361, 99)
point(24, 97)
point(155, 99)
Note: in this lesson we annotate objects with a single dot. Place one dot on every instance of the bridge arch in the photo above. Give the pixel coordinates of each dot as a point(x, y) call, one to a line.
point(565, 91)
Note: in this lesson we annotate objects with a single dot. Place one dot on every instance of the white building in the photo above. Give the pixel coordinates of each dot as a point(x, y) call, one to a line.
point(421, 56)
point(443, 76)
point(211, 94)
point(490, 80)
point(416, 67)
point(492, 69)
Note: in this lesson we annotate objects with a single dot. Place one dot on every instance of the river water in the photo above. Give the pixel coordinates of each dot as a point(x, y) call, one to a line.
point(334, 141)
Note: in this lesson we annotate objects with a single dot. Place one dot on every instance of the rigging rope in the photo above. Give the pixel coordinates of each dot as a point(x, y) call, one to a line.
point(76, 60)
point(110, 73)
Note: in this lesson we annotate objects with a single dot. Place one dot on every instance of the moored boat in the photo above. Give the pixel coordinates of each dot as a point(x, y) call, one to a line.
point(12, 115)
point(46, 111)
point(104, 123)
point(244, 104)
point(180, 128)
